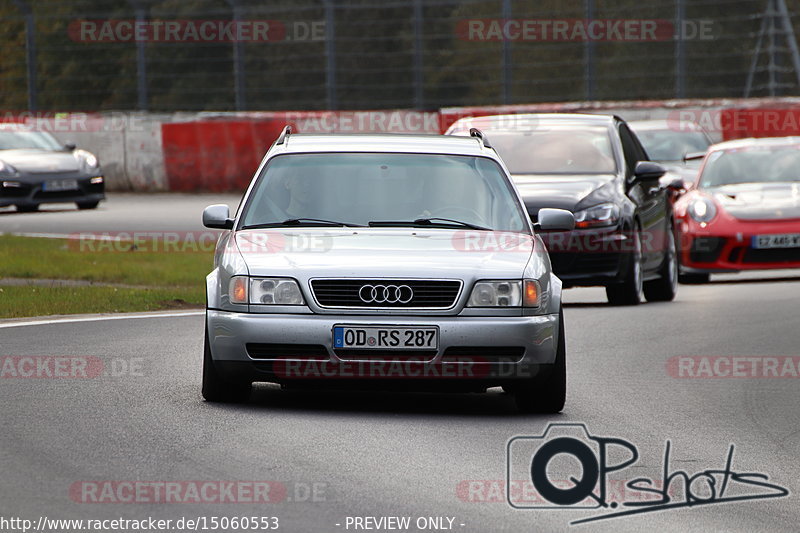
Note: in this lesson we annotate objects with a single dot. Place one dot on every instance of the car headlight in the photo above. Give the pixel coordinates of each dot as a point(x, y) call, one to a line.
point(702, 209)
point(88, 159)
point(506, 293)
point(7, 169)
point(264, 291)
point(12, 184)
point(597, 216)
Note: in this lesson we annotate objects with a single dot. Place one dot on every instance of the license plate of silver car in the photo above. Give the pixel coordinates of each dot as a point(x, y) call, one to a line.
point(386, 337)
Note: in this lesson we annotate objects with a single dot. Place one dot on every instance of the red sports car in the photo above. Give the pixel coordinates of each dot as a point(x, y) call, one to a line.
point(743, 211)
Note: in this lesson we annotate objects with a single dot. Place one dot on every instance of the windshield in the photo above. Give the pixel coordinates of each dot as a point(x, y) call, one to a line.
point(585, 150)
point(359, 188)
point(668, 145)
point(15, 140)
point(752, 165)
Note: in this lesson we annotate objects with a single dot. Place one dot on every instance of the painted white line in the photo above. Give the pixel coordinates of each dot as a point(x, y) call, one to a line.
point(69, 236)
point(68, 320)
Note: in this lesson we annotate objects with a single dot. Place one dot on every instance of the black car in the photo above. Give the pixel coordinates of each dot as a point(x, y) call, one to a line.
point(594, 166)
point(36, 169)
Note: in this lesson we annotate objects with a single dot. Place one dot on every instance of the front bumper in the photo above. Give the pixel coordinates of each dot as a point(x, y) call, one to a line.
point(284, 348)
point(32, 193)
point(589, 257)
point(731, 250)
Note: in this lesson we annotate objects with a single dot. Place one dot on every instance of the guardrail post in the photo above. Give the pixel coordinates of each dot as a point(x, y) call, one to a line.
point(507, 60)
point(330, 56)
point(239, 74)
point(30, 53)
point(141, 60)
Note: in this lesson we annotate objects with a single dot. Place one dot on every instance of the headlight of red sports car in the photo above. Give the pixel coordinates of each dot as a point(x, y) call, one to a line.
point(702, 209)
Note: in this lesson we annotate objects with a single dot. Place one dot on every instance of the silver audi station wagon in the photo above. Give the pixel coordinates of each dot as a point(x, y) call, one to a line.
point(388, 260)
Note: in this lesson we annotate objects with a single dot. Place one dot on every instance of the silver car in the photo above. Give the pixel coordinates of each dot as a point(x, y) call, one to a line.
point(382, 261)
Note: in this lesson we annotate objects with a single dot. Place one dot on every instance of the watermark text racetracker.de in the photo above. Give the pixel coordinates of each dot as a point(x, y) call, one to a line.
point(733, 366)
point(70, 367)
point(583, 30)
point(569, 452)
point(196, 241)
point(777, 122)
point(178, 492)
point(60, 122)
point(194, 31)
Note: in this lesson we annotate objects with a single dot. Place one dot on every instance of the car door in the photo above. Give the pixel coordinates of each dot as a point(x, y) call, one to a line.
point(650, 198)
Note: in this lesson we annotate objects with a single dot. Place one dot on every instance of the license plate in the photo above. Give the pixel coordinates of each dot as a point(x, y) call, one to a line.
point(386, 337)
point(786, 240)
point(60, 185)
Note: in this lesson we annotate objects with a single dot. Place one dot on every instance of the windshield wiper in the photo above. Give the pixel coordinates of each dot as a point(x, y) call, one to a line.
point(303, 222)
point(431, 221)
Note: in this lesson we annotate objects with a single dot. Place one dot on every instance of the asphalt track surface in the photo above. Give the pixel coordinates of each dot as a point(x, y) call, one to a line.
point(120, 212)
point(377, 454)
point(407, 454)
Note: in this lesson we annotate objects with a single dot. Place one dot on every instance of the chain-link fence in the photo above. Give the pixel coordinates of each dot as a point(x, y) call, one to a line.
point(165, 55)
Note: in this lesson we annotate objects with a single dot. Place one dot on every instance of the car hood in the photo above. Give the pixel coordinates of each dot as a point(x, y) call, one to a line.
point(378, 253)
point(760, 201)
point(40, 161)
point(571, 192)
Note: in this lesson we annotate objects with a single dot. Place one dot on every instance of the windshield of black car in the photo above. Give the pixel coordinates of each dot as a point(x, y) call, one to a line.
point(556, 150)
point(752, 165)
point(19, 140)
point(358, 188)
point(672, 145)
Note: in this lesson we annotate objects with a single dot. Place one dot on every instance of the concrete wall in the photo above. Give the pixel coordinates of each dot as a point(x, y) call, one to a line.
point(220, 151)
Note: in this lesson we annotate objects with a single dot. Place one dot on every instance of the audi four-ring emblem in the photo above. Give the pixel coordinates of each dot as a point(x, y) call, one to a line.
point(385, 294)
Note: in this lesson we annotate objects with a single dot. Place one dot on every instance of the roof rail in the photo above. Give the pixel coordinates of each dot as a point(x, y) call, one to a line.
point(287, 130)
point(478, 134)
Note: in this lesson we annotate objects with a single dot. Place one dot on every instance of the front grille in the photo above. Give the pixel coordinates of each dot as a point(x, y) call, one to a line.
point(386, 355)
point(483, 354)
point(595, 263)
point(287, 351)
point(584, 263)
point(430, 294)
point(44, 195)
point(14, 192)
point(771, 255)
point(706, 249)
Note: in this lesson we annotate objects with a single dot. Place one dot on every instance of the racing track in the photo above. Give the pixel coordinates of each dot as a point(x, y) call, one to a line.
point(402, 453)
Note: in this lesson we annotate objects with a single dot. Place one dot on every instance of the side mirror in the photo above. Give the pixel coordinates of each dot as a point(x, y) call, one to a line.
point(217, 216)
point(70, 146)
point(647, 171)
point(554, 220)
point(677, 184)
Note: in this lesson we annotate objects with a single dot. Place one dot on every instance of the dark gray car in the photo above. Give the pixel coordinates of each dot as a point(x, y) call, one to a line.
point(35, 169)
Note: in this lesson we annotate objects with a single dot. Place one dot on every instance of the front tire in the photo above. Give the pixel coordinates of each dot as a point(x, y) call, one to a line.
point(215, 388)
point(630, 291)
point(28, 208)
point(87, 205)
point(665, 287)
point(547, 393)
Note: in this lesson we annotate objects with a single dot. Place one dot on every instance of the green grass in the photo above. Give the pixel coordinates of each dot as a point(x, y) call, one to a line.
point(26, 257)
point(22, 301)
point(163, 279)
